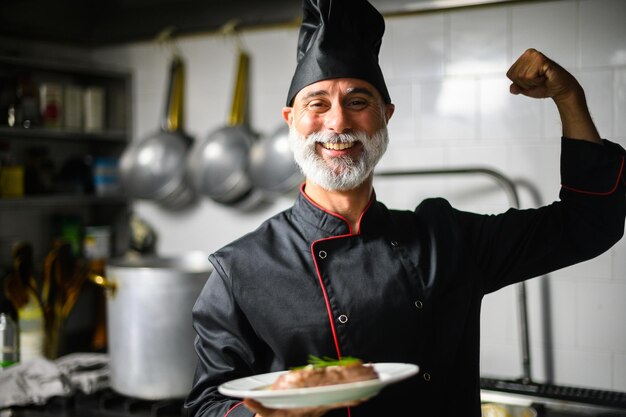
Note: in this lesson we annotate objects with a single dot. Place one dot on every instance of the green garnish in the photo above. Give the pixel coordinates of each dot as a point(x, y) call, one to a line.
point(327, 361)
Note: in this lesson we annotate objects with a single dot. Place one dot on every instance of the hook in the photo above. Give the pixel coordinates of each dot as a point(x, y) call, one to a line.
point(165, 38)
point(230, 30)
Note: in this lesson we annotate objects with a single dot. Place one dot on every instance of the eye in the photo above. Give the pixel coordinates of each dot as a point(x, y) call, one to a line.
point(317, 105)
point(357, 103)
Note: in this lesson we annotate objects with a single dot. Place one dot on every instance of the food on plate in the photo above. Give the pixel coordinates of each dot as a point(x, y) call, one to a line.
point(326, 371)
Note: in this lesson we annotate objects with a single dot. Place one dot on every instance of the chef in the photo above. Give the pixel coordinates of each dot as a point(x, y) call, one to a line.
point(339, 274)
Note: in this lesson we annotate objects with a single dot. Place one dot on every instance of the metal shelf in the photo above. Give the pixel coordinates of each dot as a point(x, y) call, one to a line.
point(59, 200)
point(113, 137)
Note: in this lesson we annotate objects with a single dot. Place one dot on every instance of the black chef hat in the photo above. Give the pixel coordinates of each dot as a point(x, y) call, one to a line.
point(339, 39)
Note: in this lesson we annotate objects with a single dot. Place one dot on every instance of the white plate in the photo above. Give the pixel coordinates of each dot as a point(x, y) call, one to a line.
point(256, 387)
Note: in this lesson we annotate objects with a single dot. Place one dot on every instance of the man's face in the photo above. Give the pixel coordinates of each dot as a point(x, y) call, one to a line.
point(338, 131)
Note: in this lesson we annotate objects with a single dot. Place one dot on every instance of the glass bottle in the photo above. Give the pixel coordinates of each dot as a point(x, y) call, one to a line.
point(21, 289)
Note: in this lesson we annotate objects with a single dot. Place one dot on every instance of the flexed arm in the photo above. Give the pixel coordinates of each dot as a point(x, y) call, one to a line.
point(535, 75)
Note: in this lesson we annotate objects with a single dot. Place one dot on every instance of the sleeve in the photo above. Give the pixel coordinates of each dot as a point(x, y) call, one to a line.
point(591, 169)
point(224, 346)
point(586, 221)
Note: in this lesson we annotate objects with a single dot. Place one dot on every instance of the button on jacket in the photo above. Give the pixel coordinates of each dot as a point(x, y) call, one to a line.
point(406, 288)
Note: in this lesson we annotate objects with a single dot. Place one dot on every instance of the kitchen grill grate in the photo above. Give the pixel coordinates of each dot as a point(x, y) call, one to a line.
point(612, 399)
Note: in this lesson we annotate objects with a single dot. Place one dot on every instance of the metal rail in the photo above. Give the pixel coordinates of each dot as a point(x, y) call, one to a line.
point(513, 198)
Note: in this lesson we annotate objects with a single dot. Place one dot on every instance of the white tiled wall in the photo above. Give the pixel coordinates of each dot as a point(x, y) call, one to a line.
point(446, 76)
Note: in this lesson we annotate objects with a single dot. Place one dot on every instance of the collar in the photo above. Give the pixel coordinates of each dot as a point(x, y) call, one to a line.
point(318, 223)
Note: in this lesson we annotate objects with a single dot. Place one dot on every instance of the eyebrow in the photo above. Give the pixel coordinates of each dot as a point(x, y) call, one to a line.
point(349, 90)
point(359, 90)
point(316, 93)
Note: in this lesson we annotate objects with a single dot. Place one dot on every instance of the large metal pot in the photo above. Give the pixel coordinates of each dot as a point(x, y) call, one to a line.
point(149, 325)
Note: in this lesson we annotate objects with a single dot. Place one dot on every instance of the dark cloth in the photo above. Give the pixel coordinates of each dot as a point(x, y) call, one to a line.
point(339, 39)
point(409, 283)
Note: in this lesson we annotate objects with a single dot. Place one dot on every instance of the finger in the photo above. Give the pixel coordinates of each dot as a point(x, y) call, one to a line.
point(530, 69)
point(515, 89)
point(529, 81)
point(254, 406)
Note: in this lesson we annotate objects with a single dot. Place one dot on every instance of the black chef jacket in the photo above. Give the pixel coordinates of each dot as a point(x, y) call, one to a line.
point(406, 288)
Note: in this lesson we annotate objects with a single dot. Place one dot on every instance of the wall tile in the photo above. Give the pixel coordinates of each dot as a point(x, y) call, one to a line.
point(269, 50)
point(551, 126)
point(147, 109)
point(562, 311)
point(500, 352)
point(499, 322)
point(583, 368)
point(619, 372)
point(417, 48)
point(618, 255)
point(504, 116)
point(266, 114)
point(547, 27)
point(599, 87)
point(415, 157)
point(447, 110)
point(536, 166)
point(406, 192)
point(601, 309)
point(500, 360)
point(478, 192)
point(478, 42)
point(620, 106)
point(602, 33)
point(541, 326)
point(403, 123)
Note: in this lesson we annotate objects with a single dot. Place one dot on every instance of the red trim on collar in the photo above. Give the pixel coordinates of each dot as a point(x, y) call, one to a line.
point(339, 216)
point(619, 176)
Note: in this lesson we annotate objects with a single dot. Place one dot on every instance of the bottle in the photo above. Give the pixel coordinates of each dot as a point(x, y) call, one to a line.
point(27, 108)
point(11, 174)
point(32, 331)
point(9, 332)
point(9, 341)
point(21, 289)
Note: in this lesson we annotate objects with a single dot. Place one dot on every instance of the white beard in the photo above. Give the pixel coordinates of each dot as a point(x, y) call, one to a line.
point(341, 173)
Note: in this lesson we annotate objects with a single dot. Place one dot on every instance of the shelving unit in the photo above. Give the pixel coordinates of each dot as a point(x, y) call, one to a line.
point(69, 154)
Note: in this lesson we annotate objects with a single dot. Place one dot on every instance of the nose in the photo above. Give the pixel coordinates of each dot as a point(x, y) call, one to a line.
point(337, 119)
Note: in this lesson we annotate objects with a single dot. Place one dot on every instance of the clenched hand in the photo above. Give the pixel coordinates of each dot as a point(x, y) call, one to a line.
point(535, 75)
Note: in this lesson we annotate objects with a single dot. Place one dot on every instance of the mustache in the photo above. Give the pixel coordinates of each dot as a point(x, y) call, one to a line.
point(332, 137)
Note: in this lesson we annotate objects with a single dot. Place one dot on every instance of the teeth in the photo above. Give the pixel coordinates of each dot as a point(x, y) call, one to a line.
point(338, 146)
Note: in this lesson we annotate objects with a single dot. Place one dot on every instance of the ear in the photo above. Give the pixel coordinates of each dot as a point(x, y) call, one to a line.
point(288, 115)
point(389, 109)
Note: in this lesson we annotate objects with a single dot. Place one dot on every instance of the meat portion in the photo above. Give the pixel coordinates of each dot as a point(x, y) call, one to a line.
point(312, 376)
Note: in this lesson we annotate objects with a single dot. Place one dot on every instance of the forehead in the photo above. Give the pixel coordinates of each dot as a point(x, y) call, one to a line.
point(338, 86)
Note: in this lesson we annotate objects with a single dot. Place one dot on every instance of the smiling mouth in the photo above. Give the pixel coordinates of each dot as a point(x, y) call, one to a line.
point(338, 146)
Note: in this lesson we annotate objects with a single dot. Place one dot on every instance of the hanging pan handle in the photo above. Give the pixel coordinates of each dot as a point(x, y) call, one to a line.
point(173, 117)
point(239, 106)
